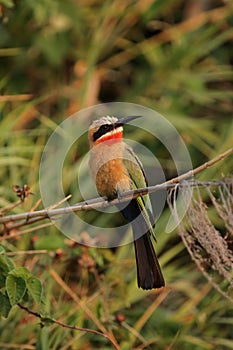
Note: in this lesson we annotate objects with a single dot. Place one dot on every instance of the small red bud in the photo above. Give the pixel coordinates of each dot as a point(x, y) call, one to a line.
point(119, 318)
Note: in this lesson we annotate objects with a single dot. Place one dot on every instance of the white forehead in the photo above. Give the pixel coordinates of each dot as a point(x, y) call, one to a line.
point(104, 120)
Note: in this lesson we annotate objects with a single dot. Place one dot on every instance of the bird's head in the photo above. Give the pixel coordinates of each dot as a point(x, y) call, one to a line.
point(108, 129)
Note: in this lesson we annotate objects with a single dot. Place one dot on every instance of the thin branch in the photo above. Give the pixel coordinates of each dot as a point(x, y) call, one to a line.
point(28, 252)
point(96, 203)
point(10, 207)
point(64, 325)
point(202, 167)
point(21, 233)
point(22, 97)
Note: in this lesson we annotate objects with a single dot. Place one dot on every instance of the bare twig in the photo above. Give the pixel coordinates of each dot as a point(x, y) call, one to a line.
point(22, 97)
point(23, 232)
point(202, 167)
point(28, 252)
point(96, 203)
point(64, 325)
point(10, 207)
point(30, 221)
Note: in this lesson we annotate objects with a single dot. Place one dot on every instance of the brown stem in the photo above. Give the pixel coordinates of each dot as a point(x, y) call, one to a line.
point(96, 203)
point(81, 329)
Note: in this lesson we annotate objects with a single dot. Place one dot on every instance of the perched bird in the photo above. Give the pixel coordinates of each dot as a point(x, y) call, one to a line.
point(115, 168)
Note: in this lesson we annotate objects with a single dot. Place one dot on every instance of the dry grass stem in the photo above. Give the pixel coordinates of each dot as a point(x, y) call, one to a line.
point(209, 248)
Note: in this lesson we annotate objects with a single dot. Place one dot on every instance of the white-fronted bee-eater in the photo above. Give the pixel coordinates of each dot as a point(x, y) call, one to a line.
point(115, 169)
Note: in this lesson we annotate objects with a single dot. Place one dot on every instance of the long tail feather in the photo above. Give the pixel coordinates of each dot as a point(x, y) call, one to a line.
point(149, 273)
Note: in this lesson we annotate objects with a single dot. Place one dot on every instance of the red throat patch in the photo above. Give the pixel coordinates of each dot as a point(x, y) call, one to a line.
point(111, 137)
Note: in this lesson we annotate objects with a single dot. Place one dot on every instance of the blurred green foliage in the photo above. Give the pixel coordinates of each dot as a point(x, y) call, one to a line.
point(60, 56)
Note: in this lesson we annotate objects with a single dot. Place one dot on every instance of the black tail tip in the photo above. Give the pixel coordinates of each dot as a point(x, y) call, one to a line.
point(149, 286)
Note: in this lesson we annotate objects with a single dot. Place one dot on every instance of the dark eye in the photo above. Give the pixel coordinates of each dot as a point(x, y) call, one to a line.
point(106, 128)
point(102, 130)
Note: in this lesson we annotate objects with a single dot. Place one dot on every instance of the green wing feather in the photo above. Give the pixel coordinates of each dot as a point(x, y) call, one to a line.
point(136, 172)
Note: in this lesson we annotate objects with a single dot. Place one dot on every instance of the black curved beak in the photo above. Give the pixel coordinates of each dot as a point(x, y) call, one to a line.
point(126, 120)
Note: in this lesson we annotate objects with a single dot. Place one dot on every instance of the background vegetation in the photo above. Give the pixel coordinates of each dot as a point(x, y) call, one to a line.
point(60, 56)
